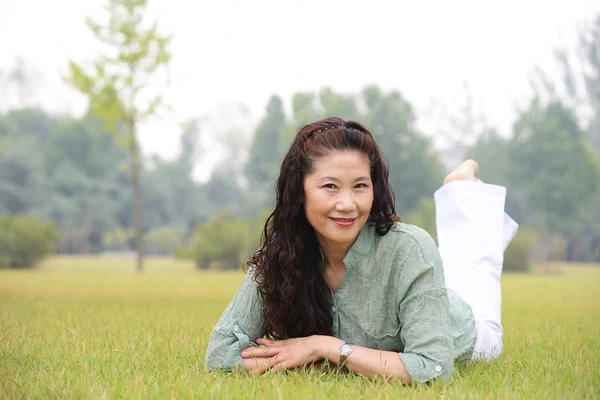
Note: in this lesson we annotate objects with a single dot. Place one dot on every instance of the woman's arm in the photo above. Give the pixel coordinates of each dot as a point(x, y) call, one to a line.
point(314, 349)
point(240, 325)
point(367, 362)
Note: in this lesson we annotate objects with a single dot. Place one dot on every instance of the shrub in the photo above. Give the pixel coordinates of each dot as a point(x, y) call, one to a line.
point(558, 248)
point(24, 241)
point(423, 216)
point(518, 255)
point(118, 240)
point(222, 242)
point(183, 253)
point(163, 241)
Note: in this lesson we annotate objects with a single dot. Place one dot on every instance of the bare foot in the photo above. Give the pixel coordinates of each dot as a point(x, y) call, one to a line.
point(465, 171)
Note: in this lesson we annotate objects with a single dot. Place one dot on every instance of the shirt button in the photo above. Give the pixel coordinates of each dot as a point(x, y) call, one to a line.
point(333, 309)
point(438, 368)
point(236, 328)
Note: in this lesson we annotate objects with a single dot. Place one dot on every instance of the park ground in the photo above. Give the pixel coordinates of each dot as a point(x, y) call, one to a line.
point(90, 327)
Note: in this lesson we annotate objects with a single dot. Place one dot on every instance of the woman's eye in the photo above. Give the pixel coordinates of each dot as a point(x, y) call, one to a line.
point(361, 186)
point(329, 186)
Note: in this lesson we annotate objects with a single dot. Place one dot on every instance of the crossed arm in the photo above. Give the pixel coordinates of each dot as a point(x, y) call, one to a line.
point(277, 355)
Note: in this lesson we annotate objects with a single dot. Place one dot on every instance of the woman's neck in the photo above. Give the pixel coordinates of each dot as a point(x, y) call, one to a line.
point(334, 253)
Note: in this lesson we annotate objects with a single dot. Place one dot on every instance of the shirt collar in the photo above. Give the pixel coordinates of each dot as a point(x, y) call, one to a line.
point(360, 249)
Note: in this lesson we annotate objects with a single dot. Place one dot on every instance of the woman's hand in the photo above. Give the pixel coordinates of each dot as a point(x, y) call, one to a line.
point(286, 354)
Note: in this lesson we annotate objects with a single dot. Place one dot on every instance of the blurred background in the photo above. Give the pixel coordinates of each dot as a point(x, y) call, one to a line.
point(132, 128)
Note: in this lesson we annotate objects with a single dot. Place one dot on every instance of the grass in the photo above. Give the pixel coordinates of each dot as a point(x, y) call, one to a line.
point(92, 328)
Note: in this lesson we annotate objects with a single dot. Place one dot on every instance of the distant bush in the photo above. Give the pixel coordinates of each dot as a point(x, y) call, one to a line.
point(119, 239)
point(558, 248)
point(163, 241)
point(183, 253)
point(518, 255)
point(423, 216)
point(24, 241)
point(223, 242)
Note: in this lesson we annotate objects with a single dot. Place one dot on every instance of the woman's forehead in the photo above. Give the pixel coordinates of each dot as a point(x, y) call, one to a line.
point(338, 157)
point(341, 164)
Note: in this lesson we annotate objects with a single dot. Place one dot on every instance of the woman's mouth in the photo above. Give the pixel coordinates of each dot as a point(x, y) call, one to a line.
point(343, 222)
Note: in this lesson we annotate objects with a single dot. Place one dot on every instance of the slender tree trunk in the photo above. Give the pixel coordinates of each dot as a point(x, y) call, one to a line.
point(137, 201)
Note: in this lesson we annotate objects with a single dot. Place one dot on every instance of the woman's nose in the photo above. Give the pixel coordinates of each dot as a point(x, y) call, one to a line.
point(346, 202)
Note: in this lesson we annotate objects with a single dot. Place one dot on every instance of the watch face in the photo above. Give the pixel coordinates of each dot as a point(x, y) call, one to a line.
point(346, 349)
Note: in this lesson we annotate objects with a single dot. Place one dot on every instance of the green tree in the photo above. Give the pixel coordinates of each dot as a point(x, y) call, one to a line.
point(304, 110)
point(116, 85)
point(334, 104)
point(415, 166)
point(578, 86)
point(265, 156)
point(553, 166)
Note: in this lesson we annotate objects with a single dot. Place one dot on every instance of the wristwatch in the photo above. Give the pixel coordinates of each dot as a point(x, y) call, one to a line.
point(345, 351)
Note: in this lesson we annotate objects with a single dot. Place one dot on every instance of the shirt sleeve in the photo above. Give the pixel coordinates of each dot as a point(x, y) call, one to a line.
point(240, 325)
point(424, 315)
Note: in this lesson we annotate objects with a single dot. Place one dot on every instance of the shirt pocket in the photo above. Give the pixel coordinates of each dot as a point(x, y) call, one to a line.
point(384, 338)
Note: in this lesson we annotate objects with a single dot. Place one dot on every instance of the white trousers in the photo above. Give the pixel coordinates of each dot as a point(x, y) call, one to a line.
point(473, 231)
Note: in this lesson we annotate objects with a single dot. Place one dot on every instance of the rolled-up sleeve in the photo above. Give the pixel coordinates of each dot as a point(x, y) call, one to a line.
point(240, 325)
point(425, 317)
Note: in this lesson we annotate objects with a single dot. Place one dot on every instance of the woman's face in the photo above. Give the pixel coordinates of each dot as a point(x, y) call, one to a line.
point(338, 196)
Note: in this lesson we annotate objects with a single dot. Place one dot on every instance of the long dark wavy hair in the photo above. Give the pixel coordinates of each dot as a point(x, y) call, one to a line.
point(289, 267)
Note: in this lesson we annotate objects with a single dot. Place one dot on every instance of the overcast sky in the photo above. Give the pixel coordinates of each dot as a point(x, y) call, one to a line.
point(244, 51)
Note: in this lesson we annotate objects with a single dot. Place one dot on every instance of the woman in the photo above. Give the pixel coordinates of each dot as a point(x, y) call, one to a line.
point(339, 278)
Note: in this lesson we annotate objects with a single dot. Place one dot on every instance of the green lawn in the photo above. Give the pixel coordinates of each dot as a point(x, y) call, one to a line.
point(92, 328)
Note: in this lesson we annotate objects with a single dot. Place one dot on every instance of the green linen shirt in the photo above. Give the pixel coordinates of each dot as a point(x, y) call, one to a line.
point(393, 297)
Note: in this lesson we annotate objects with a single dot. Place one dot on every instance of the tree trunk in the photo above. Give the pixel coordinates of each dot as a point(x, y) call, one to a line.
point(137, 202)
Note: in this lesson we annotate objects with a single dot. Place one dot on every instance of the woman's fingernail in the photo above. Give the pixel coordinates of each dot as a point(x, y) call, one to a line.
point(244, 353)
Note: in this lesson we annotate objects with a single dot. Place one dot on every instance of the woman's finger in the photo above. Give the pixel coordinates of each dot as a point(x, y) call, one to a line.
point(279, 366)
point(259, 352)
point(256, 366)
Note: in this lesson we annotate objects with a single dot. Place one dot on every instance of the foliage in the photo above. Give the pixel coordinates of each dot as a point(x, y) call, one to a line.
point(424, 216)
point(118, 240)
point(552, 165)
point(24, 241)
point(223, 241)
point(415, 167)
point(262, 167)
point(163, 241)
point(579, 88)
point(519, 255)
point(558, 248)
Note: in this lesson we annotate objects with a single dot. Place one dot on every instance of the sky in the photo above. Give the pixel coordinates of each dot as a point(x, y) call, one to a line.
point(235, 51)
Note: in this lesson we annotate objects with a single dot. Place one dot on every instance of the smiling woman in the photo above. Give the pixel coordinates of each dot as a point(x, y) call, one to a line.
point(339, 278)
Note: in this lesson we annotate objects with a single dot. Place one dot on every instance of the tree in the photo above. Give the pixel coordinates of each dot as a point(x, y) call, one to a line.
point(415, 167)
point(117, 84)
point(578, 87)
point(83, 169)
point(553, 166)
point(23, 138)
point(266, 154)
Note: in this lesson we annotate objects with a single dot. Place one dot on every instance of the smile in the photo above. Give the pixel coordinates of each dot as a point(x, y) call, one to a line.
point(344, 222)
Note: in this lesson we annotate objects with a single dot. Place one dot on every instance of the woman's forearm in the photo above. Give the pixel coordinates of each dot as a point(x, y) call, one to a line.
point(365, 361)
